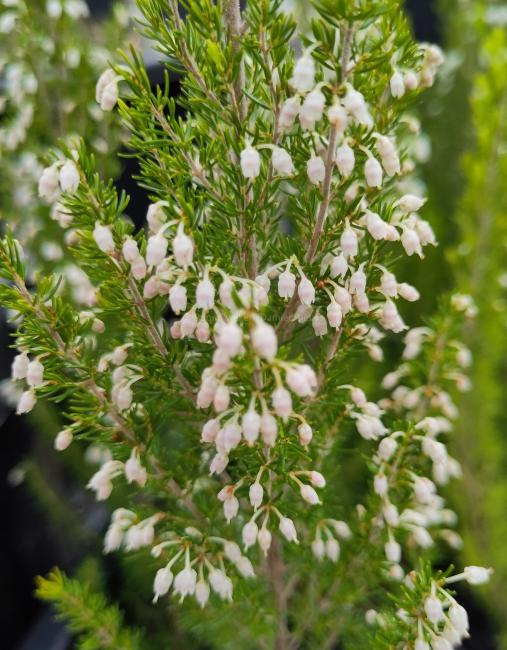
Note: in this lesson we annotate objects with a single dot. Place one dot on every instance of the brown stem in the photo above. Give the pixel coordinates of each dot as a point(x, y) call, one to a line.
point(326, 192)
point(233, 19)
point(276, 570)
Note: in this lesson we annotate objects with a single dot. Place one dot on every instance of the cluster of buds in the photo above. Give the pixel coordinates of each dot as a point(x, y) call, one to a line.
point(61, 176)
point(205, 573)
point(235, 423)
point(327, 534)
point(107, 92)
point(122, 379)
point(128, 531)
point(367, 416)
point(74, 9)
point(32, 372)
point(133, 470)
point(403, 81)
point(431, 408)
point(442, 623)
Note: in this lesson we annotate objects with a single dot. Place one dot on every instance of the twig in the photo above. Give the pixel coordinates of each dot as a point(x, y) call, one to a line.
point(275, 570)
point(233, 18)
point(326, 191)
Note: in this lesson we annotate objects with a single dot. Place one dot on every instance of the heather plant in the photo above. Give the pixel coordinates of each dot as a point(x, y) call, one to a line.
point(51, 54)
point(216, 368)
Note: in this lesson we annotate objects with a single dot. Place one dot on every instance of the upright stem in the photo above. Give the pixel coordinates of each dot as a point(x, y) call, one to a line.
point(275, 568)
point(247, 240)
point(326, 197)
point(233, 18)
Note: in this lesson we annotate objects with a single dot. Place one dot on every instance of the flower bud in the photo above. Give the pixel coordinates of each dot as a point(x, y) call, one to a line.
point(222, 398)
point(162, 583)
point(286, 284)
point(218, 464)
point(338, 267)
point(130, 250)
point(138, 268)
point(156, 216)
point(103, 238)
point(306, 291)
point(393, 551)
point(397, 85)
point(316, 169)
point(377, 228)
point(358, 281)
point(264, 539)
point(110, 96)
point(282, 162)
point(202, 331)
point(349, 242)
point(256, 494)
point(319, 324)
point(356, 106)
point(411, 80)
point(269, 429)
point(156, 249)
point(202, 592)
point(345, 160)
point(318, 548)
point(309, 494)
point(459, 619)
point(303, 78)
point(183, 248)
point(317, 479)
point(313, 107)
point(288, 530)
point(63, 440)
point(477, 575)
point(337, 117)
point(410, 203)
point(373, 172)
point(305, 433)
point(408, 292)
point(387, 448)
point(105, 79)
point(178, 298)
point(188, 323)
point(288, 113)
point(210, 430)
point(230, 338)
point(334, 314)
point(185, 581)
point(249, 534)
point(433, 609)
point(69, 177)
point(282, 403)
point(251, 424)
point(49, 184)
point(231, 436)
point(411, 242)
point(19, 366)
point(205, 294)
point(35, 374)
point(134, 471)
point(264, 341)
point(151, 288)
point(333, 549)
point(250, 162)
point(301, 380)
point(26, 402)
